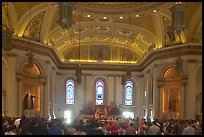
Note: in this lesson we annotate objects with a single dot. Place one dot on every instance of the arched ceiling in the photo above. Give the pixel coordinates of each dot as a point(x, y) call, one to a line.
point(117, 31)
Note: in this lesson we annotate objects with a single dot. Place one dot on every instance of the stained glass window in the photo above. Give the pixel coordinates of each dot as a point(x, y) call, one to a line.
point(99, 92)
point(70, 92)
point(128, 93)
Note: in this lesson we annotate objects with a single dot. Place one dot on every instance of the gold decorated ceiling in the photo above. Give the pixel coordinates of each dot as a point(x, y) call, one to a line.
point(130, 31)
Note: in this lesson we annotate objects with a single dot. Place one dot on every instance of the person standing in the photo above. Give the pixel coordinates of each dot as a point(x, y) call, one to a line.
point(130, 130)
point(189, 130)
point(154, 129)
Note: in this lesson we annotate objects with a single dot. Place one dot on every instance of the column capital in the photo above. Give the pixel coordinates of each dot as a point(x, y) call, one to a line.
point(59, 73)
point(191, 60)
point(12, 54)
point(42, 79)
point(19, 75)
point(140, 75)
point(53, 68)
point(147, 71)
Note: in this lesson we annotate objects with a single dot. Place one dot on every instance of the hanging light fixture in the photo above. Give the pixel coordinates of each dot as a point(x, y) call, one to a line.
point(123, 79)
point(128, 70)
point(65, 14)
point(7, 33)
point(78, 66)
point(29, 55)
point(178, 16)
point(178, 25)
point(128, 73)
point(78, 73)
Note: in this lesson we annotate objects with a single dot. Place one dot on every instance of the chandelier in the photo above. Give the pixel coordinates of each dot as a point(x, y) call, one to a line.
point(29, 55)
point(128, 70)
point(79, 66)
point(7, 33)
point(65, 14)
point(176, 32)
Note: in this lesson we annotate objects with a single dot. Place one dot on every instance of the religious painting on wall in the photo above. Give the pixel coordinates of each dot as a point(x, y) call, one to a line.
point(100, 53)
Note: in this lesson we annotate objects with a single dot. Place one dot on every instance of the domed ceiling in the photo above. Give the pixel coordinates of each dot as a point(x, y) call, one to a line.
point(114, 32)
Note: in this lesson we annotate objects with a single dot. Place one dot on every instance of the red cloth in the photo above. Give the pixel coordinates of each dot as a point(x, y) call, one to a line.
point(141, 124)
point(114, 130)
point(109, 129)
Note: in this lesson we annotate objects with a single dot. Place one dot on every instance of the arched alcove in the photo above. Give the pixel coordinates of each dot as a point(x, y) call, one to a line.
point(171, 93)
point(31, 83)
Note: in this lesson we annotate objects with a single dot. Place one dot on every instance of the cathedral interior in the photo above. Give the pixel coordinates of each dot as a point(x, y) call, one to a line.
point(82, 58)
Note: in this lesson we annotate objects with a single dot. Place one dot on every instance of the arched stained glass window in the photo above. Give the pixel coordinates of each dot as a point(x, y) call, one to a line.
point(99, 92)
point(70, 92)
point(128, 93)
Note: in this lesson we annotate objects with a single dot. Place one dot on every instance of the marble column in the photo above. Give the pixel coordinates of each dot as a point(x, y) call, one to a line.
point(140, 97)
point(155, 100)
point(160, 100)
point(53, 90)
point(191, 101)
point(11, 94)
point(77, 100)
point(182, 97)
point(47, 92)
point(85, 91)
point(148, 92)
point(42, 90)
point(20, 96)
point(4, 103)
point(114, 90)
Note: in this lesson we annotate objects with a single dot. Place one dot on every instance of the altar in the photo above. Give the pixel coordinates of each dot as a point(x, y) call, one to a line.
point(101, 111)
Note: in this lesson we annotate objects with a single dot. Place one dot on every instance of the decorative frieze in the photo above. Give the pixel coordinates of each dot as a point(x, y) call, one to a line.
point(165, 53)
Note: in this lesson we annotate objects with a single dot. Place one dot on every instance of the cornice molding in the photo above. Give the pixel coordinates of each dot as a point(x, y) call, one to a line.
point(12, 54)
point(191, 60)
point(164, 53)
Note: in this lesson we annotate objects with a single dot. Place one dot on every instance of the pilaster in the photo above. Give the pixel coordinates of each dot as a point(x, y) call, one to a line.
point(191, 109)
point(11, 95)
point(20, 99)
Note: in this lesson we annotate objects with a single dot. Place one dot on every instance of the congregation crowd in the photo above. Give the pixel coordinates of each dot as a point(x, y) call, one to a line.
point(117, 126)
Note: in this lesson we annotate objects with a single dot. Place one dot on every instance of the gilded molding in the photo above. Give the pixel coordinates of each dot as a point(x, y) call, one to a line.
point(170, 52)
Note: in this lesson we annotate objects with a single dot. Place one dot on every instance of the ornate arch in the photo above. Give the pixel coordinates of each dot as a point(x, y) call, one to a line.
point(5, 62)
point(25, 19)
point(67, 77)
point(23, 63)
point(103, 78)
point(169, 71)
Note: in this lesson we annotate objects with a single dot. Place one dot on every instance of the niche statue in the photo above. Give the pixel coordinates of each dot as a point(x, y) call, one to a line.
point(29, 101)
